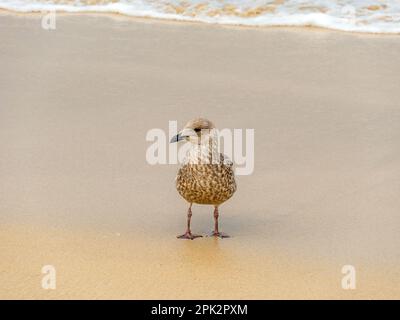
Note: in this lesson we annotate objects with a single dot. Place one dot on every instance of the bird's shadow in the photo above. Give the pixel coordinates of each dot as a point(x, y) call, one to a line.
point(206, 252)
point(245, 225)
point(220, 254)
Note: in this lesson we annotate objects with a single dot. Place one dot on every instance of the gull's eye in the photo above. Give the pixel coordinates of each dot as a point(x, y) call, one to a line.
point(197, 130)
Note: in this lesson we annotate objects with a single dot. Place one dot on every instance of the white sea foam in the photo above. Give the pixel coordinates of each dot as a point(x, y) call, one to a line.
point(376, 16)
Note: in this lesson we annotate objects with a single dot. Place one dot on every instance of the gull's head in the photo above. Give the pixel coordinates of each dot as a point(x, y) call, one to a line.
point(195, 131)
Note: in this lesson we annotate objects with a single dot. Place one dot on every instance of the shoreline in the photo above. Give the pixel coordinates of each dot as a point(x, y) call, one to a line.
point(145, 19)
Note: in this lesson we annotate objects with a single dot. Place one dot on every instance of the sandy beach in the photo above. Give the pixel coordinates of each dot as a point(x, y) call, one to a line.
point(76, 191)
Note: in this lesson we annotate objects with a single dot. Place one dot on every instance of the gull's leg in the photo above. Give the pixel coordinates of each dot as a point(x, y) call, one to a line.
point(216, 232)
point(188, 234)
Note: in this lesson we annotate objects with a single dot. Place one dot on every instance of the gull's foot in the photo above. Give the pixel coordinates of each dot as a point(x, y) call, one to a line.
point(189, 236)
point(219, 234)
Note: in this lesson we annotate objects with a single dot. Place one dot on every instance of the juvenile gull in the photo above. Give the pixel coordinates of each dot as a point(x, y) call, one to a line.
point(206, 176)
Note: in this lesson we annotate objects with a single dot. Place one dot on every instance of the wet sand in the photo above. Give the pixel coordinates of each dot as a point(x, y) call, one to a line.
point(76, 191)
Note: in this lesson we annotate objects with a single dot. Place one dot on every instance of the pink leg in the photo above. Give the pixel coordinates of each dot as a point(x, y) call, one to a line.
point(188, 234)
point(216, 232)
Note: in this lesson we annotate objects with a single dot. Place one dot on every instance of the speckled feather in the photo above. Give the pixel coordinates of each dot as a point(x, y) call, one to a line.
point(206, 183)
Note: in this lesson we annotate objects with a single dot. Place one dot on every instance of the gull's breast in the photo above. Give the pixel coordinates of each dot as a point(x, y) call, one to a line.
point(206, 183)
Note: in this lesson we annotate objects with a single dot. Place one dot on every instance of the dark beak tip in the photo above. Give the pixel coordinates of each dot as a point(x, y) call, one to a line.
point(175, 138)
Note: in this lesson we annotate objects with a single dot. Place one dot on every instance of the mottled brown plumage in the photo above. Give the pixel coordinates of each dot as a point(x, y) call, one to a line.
point(206, 176)
point(206, 183)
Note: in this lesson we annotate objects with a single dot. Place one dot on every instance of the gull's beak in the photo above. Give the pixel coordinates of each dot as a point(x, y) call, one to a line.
point(177, 138)
point(186, 132)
